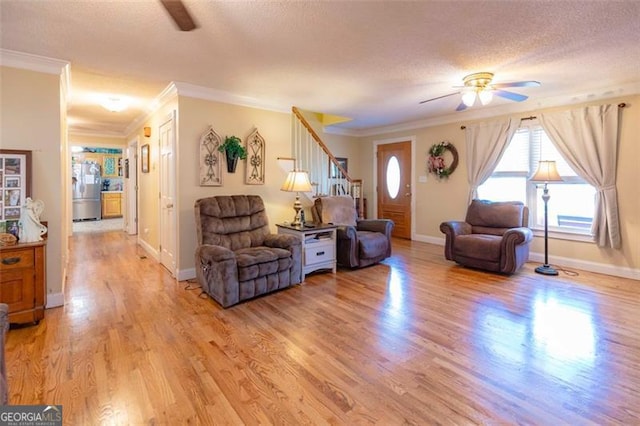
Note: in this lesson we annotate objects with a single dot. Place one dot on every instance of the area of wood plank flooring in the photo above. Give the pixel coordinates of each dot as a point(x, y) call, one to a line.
point(413, 340)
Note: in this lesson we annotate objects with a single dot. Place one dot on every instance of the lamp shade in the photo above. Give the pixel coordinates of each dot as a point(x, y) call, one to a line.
point(297, 181)
point(469, 97)
point(485, 96)
point(547, 172)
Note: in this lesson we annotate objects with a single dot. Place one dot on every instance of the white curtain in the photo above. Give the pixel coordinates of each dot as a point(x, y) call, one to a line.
point(486, 142)
point(587, 138)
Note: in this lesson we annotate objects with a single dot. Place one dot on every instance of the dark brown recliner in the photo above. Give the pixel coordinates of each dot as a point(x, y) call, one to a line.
point(494, 236)
point(237, 257)
point(359, 242)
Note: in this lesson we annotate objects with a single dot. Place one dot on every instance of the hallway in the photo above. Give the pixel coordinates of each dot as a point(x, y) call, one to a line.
point(103, 225)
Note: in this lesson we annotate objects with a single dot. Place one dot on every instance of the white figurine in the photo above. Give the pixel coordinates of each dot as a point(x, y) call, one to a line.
point(30, 228)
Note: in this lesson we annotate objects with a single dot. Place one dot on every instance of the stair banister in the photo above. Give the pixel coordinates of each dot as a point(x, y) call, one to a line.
point(352, 183)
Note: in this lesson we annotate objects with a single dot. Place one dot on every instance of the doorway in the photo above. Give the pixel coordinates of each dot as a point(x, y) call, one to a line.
point(96, 187)
point(394, 192)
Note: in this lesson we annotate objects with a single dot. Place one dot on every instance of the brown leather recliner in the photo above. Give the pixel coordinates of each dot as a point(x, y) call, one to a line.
point(360, 242)
point(494, 236)
point(237, 257)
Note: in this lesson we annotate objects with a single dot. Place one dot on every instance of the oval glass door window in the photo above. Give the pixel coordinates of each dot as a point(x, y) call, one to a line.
point(393, 177)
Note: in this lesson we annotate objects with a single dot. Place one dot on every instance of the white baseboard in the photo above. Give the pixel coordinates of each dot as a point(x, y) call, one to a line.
point(428, 239)
point(585, 265)
point(186, 274)
point(55, 300)
point(152, 251)
point(567, 262)
point(181, 274)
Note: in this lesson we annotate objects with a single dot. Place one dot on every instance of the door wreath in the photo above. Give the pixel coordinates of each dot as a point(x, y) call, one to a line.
point(436, 163)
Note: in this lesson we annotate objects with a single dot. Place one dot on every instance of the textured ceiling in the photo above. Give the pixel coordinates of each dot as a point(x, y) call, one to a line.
point(372, 61)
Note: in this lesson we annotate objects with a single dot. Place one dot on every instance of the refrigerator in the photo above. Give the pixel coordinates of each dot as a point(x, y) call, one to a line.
point(86, 191)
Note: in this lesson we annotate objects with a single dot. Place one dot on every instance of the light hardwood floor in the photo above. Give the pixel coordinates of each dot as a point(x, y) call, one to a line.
point(413, 340)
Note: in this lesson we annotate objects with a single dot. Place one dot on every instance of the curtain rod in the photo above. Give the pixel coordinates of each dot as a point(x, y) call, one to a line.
point(533, 117)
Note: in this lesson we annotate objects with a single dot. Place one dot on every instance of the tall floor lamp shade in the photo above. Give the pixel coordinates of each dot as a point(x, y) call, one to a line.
point(547, 172)
point(297, 181)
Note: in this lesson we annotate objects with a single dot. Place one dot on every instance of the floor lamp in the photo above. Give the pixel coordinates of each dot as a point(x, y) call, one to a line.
point(297, 181)
point(547, 172)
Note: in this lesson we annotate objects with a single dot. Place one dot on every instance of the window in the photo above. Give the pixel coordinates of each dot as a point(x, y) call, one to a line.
point(393, 177)
point(572, 202)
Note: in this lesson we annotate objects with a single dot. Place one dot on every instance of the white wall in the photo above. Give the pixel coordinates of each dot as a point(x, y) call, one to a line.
point(33, 119)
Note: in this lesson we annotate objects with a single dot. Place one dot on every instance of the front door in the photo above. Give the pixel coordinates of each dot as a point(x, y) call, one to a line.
point(394, 186)
point(167, 194)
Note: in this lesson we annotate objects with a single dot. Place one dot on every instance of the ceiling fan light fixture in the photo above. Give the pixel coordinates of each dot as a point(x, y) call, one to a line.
point(486, 96)
point(114, 104)
point(469, 98)
point(479, 86)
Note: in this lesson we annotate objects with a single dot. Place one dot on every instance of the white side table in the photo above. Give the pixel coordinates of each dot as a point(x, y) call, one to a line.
point(318, 245)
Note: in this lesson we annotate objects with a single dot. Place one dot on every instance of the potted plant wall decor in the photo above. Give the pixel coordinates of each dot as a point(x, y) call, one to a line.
point(233, 148)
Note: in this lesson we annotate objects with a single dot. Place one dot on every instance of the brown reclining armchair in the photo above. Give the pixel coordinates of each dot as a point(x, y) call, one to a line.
point(494, 236)
point(359, 242)
point(237, 257)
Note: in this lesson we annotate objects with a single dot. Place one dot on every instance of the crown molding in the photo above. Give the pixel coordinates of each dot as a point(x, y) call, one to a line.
point(342, 132)
point(14, 59)
point(65, 82)
point(96, 134)
point(200, 92)
point(167, 94)
point(593, 95)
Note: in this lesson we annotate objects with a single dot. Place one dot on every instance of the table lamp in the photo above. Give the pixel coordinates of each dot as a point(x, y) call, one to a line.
point(297, 181)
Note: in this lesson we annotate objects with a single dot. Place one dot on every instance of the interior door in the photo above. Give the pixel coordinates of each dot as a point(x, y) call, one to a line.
point(131, 179)
point(167, 196)
point(394, 186)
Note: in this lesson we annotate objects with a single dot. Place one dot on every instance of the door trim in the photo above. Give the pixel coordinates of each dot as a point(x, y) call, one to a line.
point(375, 144)
point(132, 187)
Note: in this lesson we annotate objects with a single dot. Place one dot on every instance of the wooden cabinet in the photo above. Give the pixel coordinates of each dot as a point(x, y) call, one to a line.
point(23, 281)
point(111, 204)
point(318, 246)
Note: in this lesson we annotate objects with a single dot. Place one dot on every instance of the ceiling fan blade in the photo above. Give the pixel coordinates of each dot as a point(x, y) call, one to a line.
point(439, 97)
point(180, 14)
point(461, 107)
point(510, 95)
point(516, 84)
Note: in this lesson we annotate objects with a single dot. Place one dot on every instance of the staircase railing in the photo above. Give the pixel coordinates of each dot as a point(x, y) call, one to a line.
point(326, 173)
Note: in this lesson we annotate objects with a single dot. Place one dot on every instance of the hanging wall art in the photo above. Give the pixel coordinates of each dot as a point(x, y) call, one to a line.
point(436, 162)
point(210, 161)
point(254, 173)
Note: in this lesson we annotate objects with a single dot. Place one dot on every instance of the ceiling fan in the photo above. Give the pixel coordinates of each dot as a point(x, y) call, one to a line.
point(180, 14)
point(478, 86)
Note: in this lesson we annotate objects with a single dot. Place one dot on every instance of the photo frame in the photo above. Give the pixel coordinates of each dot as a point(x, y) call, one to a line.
point(15, 182)
point(334, 172)
point(144, 158)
